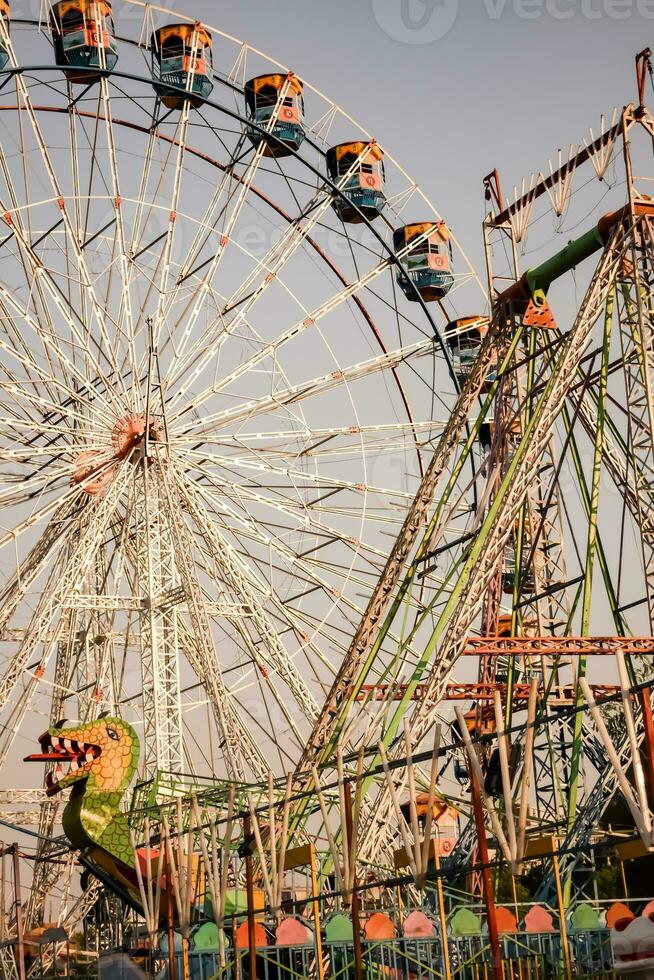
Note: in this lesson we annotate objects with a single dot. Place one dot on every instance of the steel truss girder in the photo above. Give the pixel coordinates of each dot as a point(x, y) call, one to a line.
point(604, 788)
point(465, 601)
point(558, 646)
point(562, 695)
point(155, 574)
point(635, 297)
point(635, 475)
point(240, 750)
point(540, 546)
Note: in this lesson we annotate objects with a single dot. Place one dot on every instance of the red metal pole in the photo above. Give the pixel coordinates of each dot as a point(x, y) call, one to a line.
point(648, 724)
point(20, 937)
point(249, 885)
point(356, 921)
point(486, 878)
point(172, 966)
point(643, 65)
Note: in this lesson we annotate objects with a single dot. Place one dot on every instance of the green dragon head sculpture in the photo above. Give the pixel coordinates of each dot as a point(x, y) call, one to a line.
point(102, 756)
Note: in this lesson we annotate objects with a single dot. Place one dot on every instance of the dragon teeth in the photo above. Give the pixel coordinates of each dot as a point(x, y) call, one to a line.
point(74, 766)
point(90, 756)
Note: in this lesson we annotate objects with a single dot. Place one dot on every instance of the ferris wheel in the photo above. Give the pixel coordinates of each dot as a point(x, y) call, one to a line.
point(222, 317)
point(270, 468)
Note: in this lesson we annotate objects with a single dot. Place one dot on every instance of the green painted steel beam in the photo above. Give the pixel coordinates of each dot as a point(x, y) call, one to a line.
point(541, 278)
point(591, 551)
point(535, 283)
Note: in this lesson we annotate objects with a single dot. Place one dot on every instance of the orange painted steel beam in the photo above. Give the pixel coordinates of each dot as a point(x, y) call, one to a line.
point(559, 696)
point(558, 646)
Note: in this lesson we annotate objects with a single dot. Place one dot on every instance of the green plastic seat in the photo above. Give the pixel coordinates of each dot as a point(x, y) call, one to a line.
point(585, 918)
point(206, 936)
point(464, 922)
point(339, 929)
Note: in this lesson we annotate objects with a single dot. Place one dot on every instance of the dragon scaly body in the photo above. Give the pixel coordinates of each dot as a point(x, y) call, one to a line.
point(103, 755)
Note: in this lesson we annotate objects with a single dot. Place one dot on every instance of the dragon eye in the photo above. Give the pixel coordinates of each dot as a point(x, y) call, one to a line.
point(112, 733)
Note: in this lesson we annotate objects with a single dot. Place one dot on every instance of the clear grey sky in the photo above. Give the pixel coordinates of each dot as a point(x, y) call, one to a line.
point(505, 86)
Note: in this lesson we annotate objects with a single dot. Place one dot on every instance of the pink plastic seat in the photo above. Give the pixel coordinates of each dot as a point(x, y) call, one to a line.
point(418, 926)
point(292, 932)
point(539, 919)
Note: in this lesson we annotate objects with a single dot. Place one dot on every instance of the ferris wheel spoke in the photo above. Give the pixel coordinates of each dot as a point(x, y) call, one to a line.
point(241, 525)
point(44, 276)
point(267, 350)
point(272, 264)
point(43, 311)
point(238, 713)
point(166, 297)
point(305, 438)
point(183, 388)
point(244, 185)
point(238, 616)
point(250, 588)
point(169, 235)
point(302, 516)
point(31, 567)
point(247, 529)
point(85, 277)
point(32, 486)
point(26, 394)
point(213, 217)
point(26, 430)
point(289, 619)
point(126, 313)
point(191, 313)
point(318, 451)
point(19, 701)
point(52, 353)
point(304, 519)
point(297, 393)
point(206, 464)
point(37, 375)
point(294, 235)
point(207, 224)
point(247, 720)
point(11, 538)
point(67, 578)
point(142, 209)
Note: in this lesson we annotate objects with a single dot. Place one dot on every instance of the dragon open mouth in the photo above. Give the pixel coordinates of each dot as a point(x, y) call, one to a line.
point(59, 749)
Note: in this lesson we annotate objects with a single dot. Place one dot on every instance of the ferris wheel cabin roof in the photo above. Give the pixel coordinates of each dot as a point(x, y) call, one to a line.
point(193, 35)
point(87, 8)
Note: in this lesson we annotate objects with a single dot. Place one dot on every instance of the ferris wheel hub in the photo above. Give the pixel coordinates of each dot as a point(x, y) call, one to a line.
point(92, 463)
point(96, 470)
point(130, 431)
